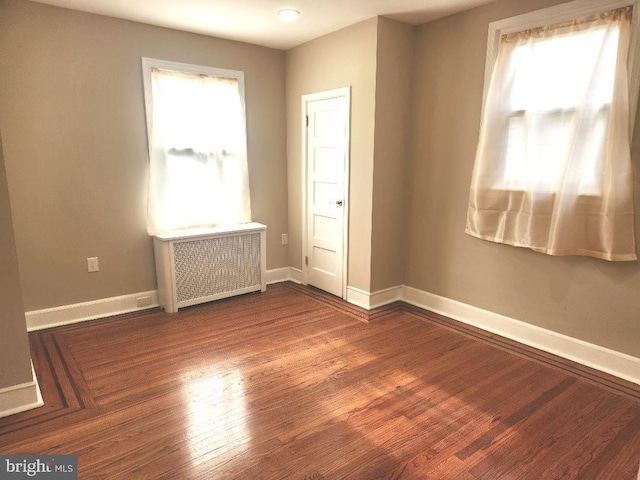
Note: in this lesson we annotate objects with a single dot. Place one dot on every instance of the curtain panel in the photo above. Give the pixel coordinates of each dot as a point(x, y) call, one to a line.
point(198, 173)
point(553, 167)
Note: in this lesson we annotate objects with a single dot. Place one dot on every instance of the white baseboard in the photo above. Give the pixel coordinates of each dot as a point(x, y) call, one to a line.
point(287, 274)
point(594, 356)
point(358, 297)
point(20, 398)
point(385, 297)
point(295, 275)
point(373, 300)
point(277, 275)
point(80, 312)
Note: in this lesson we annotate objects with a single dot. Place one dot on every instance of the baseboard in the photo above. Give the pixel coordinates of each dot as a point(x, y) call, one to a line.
point(295, 275)
point(20, 398)
point(385, 297)
point(277, 275)
point(287, 274)
point(80, 312)
point(594, 356)
point(358, 297)
point(369, 301)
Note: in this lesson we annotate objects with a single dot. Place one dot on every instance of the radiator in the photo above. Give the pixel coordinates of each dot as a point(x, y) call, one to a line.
point(208, 264)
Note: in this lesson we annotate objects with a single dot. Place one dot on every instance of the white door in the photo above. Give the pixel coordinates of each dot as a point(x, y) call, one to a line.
point(327, 167)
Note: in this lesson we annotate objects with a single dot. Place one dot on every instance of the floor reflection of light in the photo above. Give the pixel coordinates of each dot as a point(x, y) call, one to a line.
point(216, 414)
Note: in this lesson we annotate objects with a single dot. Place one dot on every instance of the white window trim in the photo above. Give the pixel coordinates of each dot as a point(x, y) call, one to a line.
point(149, 63)
point(565, 12)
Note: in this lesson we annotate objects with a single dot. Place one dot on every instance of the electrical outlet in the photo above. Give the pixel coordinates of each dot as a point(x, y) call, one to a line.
point(285, 239)
point(92, 264)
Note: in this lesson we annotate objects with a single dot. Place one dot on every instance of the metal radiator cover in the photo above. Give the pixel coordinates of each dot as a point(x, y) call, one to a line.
point(213, 266)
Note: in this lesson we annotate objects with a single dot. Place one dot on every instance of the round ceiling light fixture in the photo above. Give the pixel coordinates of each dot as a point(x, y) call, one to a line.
point(288, 14)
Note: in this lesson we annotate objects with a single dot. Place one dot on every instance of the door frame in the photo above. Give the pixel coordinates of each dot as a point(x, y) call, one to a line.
point(311, 97)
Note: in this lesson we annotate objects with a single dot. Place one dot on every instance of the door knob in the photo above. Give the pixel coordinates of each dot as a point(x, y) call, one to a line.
point(339, 203)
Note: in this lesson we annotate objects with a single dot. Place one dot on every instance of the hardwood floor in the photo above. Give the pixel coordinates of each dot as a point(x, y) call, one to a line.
point(293, 383)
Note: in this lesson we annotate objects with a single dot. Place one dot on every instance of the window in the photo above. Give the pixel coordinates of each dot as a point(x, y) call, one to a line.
point(557, 80)
point(197, 146)
point(553, 165)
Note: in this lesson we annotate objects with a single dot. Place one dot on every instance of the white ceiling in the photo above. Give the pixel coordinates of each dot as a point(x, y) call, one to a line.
point(256, 21)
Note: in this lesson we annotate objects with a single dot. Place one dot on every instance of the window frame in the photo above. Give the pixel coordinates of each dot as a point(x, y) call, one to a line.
point(566, 12)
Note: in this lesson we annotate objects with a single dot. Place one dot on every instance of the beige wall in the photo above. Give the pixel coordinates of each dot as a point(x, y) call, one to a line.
point(394, 71)
point(340, 59)
point(72, 116)
point(589, 299)
point(15, 359)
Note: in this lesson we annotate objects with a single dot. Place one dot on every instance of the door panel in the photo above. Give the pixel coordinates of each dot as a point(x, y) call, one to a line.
point(327, 162)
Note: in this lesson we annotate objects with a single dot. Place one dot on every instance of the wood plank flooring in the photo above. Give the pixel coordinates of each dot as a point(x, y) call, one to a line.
point(293, 383)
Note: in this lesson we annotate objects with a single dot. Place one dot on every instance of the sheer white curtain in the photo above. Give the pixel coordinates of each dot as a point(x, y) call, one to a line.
point(553, 167)
point(198, 171)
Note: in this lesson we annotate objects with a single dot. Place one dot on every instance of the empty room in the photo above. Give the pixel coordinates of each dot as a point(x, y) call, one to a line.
point(319, 239)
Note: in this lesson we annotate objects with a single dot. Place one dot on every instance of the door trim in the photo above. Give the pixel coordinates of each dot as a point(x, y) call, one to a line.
point(326, 95)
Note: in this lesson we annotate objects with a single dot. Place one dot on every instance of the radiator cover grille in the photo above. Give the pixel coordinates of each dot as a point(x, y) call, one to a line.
point(213, 266)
